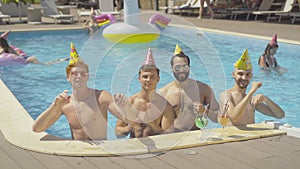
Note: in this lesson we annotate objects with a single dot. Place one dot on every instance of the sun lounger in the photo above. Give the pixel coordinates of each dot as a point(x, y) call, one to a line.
point(2, 16)
point(107, 7)
point(225, 8)
point(293, 14)
point(190, 6)
point(50, 10)
point(263, 5)
point(173, 5)
point(287, 7)
point(81, 14)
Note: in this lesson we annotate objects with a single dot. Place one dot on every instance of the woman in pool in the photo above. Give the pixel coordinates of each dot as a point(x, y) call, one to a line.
point(6, 48)
point(268, 60)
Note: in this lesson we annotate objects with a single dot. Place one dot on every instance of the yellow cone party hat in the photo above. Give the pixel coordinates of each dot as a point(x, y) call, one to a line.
point(177, 50)
point(149, 60)
point(74, 57)
point(244, 62)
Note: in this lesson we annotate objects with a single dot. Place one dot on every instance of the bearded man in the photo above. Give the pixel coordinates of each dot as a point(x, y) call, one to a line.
point(188, 97)
point(240, 106)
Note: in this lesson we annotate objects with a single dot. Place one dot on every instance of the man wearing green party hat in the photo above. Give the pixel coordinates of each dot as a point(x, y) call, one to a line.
point(86, 109)
point(240, 107)
point(188, 97)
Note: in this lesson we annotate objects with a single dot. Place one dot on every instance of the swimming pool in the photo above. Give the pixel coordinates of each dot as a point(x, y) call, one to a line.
point(114, 67)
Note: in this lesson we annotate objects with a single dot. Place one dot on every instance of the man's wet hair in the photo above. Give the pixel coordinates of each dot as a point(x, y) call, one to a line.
point(70, 66)
point(181, 55)
point(146, 68)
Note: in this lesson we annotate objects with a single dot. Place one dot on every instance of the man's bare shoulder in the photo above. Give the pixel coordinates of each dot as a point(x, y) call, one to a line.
point(99, 93)
point(168, 87)
point(228, 91)
point(103, 96)
point(226, 94)
point(135, 96)
point(204, 88)
point(202, 84)
point(159, 97)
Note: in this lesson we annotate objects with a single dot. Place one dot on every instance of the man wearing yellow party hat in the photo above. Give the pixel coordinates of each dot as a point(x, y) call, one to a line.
point(74, 57)
point(239, 106)
point(86, 109)
point(187, 96)
point(156, 115)
point(267, 59)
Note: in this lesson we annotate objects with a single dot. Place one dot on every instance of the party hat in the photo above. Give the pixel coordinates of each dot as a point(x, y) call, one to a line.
point(177, 50)
point(273, 42)
point(5, 34)
point(149, 60)
point(244, 62)
point(74, 57)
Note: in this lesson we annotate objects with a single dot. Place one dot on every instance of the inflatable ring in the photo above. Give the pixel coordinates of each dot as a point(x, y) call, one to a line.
point(105, 19)
point(129, 34)
point(159, 21)
point(7, 59)
point(19, 51)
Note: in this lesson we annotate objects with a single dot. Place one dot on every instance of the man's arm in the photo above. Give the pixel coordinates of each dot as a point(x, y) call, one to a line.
point(262, 61)
point(212, 106)
point(167, 121)
point(236, 111)
point(106, 98)
point(122, 129)
point(147, 118)
point(52, 114)
point(267, 106)
point(121, 108)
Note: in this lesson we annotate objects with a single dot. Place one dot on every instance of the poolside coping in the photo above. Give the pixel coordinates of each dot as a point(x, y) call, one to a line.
point(16, 126)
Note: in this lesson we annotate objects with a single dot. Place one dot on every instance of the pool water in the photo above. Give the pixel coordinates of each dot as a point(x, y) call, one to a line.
point(114, 67)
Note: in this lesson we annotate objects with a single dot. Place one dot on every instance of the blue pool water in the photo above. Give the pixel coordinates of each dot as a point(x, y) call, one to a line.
point(114, 67)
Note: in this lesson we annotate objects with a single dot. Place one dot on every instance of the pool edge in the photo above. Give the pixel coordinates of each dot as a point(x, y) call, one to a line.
point(16, 126)
point(219, 31)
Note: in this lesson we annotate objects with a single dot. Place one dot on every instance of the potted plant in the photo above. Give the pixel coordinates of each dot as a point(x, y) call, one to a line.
point(17, 1)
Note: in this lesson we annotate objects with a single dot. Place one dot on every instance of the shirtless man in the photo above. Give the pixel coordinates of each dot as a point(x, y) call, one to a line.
point(187, 96)
point(90, 24)
point(85, 109)
point(156, 114)
point(241, 106)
